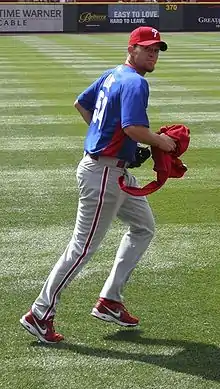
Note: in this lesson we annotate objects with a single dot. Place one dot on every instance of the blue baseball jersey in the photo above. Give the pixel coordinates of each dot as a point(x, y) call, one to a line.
point(117, 99)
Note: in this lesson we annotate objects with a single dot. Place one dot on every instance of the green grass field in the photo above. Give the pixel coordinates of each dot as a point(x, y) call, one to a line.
point(175, 289)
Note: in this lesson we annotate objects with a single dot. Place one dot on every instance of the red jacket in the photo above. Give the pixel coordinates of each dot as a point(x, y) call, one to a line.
point(166, 165)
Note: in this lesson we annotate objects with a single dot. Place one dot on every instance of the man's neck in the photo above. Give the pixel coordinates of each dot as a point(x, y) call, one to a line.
point(129, 63)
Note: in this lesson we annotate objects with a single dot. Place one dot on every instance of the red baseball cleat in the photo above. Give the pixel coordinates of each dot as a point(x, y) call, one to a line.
point(42, 329)
point(113, 311)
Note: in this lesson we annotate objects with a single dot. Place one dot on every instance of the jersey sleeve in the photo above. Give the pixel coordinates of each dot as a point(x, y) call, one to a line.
point(134, 102)
point(87, 99)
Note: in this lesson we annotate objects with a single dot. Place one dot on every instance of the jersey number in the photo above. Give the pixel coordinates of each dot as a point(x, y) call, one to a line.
point(100, 108)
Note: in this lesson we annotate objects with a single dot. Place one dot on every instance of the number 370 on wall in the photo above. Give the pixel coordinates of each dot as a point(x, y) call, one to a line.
point(171, 7)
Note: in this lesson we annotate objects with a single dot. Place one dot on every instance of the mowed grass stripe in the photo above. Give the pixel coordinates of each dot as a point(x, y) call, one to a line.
point(196, 117)
point(207, 140)
point(98, 361)
point(166, 116)
point(42, 143)
point(42, 180)
point(40, 119)
point(30, 39)
point(168, 101)
point(174, 246)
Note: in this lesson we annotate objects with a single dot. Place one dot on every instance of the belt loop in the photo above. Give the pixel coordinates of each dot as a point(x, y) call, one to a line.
point(92, 156)
point(121, 163)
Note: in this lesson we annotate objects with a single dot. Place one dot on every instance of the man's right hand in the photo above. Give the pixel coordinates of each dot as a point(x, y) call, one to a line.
point(166, 143)
point(144, 135)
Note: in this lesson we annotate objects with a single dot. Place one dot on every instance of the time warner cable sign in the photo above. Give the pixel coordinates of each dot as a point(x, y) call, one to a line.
point(28, 18)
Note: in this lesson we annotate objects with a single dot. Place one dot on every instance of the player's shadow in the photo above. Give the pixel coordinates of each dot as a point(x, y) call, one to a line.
point(192, 358)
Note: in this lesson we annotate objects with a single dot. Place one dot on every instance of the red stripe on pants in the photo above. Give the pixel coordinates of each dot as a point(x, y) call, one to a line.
point(88, 240)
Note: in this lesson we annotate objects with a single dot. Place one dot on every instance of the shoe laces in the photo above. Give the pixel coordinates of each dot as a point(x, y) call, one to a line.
point(123, 307)
point(50, 324)
point(125, 310)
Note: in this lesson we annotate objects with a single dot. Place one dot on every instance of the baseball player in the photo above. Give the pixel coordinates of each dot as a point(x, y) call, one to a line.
point(114, 107)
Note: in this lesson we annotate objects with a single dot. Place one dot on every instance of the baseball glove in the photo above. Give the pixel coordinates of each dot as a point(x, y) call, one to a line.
point(141, 155)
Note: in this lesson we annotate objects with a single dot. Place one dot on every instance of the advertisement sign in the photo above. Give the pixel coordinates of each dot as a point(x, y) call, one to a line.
point(93, 18)
point(126, 17)
point(171, 17)
point(29, 18)
point(202, 17)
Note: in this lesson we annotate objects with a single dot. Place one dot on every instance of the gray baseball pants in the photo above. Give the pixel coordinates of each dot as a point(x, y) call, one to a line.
point(100, 201)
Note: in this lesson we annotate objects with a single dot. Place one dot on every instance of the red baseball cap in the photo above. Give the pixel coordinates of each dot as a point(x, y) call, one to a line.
point(146, 36)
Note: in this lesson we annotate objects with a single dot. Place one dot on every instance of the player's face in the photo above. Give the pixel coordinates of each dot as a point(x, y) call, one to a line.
point(144, 58)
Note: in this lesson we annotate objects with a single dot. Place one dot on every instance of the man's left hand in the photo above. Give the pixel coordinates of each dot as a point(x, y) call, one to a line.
point(141, 155)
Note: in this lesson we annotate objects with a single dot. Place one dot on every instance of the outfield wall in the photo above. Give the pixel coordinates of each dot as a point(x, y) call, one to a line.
point(119, 17)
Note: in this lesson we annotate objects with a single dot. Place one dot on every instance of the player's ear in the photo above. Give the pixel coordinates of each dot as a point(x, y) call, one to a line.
point(131, 49)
